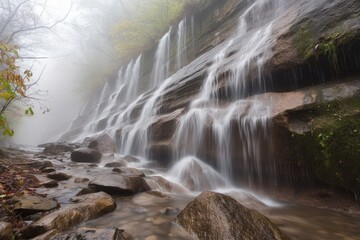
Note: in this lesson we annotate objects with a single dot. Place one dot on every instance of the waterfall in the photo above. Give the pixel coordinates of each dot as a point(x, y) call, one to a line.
point(181, 44)
point(162, 60)
point(231, 133)
point(245, 120)
point(133, 80)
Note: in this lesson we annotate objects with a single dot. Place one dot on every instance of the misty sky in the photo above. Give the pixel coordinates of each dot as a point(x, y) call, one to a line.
point(60, 77)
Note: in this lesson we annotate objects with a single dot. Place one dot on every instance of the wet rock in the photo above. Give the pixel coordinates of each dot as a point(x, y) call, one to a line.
point(157, 183)
point(48, 170)
point(92, 234)
point(115, 164)
point(228, 219)
point(46, 164)
point(50, 184)
point(131, 159)
point(27, 205)
point(82, 209)
point(81, 180)
point(46, 236)
point(6, 231)
point(59, 176)
point(56, 148)
point(169, 211)
point(119, 184)
point(84, 191)
point(103, 144)
point(86, 155)
point(131, 172)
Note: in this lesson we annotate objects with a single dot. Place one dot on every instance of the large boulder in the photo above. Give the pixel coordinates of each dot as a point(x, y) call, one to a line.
point(86, 155)
point(56, 148)
point(218, 216)
point(115, 184)
point(103, 143)
point(83, 208)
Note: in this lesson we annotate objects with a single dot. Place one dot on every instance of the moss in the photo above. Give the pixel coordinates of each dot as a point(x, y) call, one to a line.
point(303, 42)
point(331, 151)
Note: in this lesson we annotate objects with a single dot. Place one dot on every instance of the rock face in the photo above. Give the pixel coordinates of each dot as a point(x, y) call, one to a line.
point(115, 184)
point(104, 144)
point(86, 155)
point(56, 148)
point(323, 138)
point(217, 216)
point(92, 234)
point(84, 208)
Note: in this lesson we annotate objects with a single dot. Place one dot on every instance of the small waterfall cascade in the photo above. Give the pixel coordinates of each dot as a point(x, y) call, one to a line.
point(229, 131)
point(181, 44)
point(239, 129)
point(134, 80)
point(162, 60)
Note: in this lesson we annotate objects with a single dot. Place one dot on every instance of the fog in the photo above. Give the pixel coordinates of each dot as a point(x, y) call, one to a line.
point(60, 58)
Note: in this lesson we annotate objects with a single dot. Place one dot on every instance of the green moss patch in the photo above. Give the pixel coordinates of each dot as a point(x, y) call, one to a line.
point(331, 150)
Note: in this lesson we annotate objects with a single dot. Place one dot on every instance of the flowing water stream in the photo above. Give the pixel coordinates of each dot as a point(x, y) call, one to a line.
point(124, 109)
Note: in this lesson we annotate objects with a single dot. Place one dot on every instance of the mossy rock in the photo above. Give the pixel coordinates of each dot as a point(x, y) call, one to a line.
point(331, 150)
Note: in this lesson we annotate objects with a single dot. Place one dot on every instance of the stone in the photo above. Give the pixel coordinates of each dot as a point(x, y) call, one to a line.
point(158, 183)
point(27, 205)
point(104, 144)
point(115, 164)
point(115, 184)
point(130, 172)
point(82, 208)
point(6, 231)
point(218, 216)
point(59, 176)
point(93, 234)
point(57, 148)
point(50, 184)
point(84, 191)
point(48, 170)
point(46, 236)
point(81, 180)
point(169, 211)
point(131, 159)
point(86, 155)
point(46, 164)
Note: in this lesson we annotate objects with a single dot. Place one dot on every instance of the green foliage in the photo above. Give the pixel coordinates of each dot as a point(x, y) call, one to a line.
point(146, 22)
point(13, 85)
point(332, 149)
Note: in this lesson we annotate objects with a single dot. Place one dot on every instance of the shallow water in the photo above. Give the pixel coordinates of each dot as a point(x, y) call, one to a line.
point(141, 217)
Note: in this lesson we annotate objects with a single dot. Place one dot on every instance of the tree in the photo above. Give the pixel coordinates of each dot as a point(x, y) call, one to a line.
point(22, 24)
point(146, 21)
point(13, 84)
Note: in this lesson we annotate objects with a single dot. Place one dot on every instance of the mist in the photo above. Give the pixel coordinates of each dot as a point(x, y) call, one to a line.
point(60, 60)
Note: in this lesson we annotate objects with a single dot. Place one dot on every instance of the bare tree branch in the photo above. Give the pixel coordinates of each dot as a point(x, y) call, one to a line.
point(12, 16)
point(40, 27)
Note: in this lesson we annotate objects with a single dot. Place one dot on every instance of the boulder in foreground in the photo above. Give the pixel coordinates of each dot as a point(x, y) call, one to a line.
point(218, 216)
point(83, 208)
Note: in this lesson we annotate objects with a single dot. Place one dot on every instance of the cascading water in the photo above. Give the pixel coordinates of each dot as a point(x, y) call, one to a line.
point(236, 128)
point(181, 44)
point(133, 80)
point(162, 60)
point(208, 118)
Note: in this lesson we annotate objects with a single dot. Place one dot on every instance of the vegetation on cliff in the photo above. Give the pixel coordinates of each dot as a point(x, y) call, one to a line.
point(331, 150)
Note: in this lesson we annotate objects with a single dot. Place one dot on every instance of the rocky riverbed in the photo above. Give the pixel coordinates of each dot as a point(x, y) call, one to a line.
point(46, 195)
